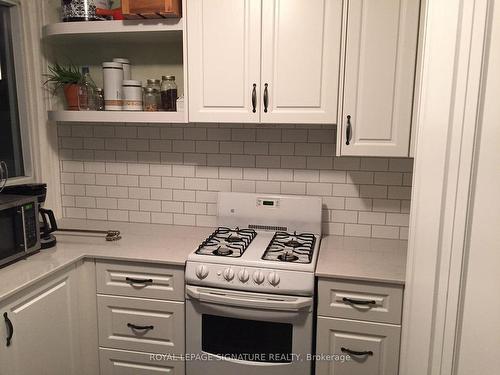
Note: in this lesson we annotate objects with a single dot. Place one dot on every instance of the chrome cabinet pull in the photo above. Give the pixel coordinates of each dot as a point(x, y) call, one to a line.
point(348, 130)
point(254, 98)
point(266, 97)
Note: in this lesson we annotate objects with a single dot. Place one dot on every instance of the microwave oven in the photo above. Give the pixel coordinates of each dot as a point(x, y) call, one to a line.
point(19, 227)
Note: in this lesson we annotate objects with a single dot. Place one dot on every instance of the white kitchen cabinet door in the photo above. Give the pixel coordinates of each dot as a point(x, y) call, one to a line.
point(45, 323)
point(224, 60)
point(379, 72)
point(300, 60)
point(373, 348)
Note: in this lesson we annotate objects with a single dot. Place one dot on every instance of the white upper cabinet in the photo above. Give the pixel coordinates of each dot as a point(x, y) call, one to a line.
point(264, 61)
point(224, 60)
point(379, 71)
point(300, 60)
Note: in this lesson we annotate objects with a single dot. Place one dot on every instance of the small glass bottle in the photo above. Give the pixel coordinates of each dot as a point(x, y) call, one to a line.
point(87, 92)
point(150, 99)
point(169, 94)
point(156, 85)
point(99, 99)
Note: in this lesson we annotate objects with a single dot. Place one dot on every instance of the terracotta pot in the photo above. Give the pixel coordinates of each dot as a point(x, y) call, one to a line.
point(71, 95)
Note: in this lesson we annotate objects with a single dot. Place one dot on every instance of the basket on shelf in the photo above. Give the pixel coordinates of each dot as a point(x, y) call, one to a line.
point(140, 9)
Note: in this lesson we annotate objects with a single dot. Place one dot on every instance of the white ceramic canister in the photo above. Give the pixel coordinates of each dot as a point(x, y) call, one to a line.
point(132, 95)
point(127, 72)
point(113, 78)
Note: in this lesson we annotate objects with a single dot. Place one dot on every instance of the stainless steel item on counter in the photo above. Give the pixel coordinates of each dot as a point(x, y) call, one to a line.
point(250, 287)
point(99, 99)
point(78, 10)
point(19, 229)
point(109, 235)
point(113, 93)
point(132, 95)
point(127, 71)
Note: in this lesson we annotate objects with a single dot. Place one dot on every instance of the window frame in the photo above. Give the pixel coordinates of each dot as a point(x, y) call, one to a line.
point(22, 90)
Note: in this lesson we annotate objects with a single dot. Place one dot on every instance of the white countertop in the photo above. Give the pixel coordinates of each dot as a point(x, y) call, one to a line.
point(165, 244)
point(359, 258)
point(355, 258)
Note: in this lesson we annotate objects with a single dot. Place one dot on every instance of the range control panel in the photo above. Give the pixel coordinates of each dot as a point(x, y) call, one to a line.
point(250, 278)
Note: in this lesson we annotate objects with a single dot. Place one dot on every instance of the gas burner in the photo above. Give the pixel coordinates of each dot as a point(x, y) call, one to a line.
point(294, 248)
point(288, 256)
point(222, 251)
point(227, 242)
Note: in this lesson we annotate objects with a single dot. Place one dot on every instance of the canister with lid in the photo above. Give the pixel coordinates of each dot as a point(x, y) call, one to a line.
point(113, 93)
point(151, 97)
point(127, 72)
point(132, 95)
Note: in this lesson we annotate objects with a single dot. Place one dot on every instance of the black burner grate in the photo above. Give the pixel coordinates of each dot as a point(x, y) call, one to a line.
point(288, 247)
point(227, 242)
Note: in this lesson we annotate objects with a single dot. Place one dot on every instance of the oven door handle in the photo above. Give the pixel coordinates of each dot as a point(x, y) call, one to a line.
point(247, 299)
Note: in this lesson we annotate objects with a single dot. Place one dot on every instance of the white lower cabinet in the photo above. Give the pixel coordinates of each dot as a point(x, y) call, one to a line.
point(121, 362)
point(358, 329)
point(48, 334)
point(140, 311)
point(373, 348)
point(141, 324)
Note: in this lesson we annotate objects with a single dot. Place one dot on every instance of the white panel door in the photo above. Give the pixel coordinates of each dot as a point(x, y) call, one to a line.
point(373, 347)
point(45, 337)
point(300, 60)
point(224, 60)
point(380, 56)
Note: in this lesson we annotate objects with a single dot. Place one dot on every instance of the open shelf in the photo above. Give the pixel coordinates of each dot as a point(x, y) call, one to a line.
point(117, 116)
point(109, 30)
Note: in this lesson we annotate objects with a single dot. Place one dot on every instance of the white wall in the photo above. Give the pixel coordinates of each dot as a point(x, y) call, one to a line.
point(479, 339)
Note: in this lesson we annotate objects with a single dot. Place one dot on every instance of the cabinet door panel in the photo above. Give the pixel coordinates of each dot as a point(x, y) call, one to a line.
point(224, 59)
point(380, 56)
point(300, 60)
point(121, 362)
point(381, 340)
point(45, 339)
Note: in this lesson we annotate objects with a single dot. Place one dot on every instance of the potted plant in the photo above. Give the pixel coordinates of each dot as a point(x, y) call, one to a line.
point(68, 78)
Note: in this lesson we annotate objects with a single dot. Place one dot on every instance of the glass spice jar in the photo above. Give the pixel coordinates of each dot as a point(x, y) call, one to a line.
point(150, 99)
point(156, 85)
point(169, 94)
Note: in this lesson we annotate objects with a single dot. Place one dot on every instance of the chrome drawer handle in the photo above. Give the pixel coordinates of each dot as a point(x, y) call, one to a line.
point(139, 281)
point(358, 301)
point(141, 328)
point(354, 352)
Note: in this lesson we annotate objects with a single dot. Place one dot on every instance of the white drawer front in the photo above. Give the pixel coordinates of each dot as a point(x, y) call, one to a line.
point(122, 322)
point(379, 343)
point(140, 280)
point(121, 362)
point(371, 302)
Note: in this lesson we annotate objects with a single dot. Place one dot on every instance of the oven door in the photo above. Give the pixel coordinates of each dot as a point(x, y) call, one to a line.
point(243, 333)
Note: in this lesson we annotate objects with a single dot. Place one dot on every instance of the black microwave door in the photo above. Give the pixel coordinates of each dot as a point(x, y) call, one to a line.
point(11, 242)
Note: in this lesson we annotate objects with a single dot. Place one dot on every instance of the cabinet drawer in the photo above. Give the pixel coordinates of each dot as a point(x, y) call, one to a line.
point(361, 301)
point(140, 280)
point(121, 362)
point(123, 322)
point(379, 343)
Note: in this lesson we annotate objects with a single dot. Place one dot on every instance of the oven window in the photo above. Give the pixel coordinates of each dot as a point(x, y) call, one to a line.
point(247, 340)
point(7, 234)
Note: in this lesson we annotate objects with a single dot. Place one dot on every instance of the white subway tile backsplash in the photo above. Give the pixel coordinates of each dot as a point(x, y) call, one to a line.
point(170, 174)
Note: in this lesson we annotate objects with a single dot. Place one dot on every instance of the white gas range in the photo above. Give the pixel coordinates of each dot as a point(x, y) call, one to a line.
point(249, 287)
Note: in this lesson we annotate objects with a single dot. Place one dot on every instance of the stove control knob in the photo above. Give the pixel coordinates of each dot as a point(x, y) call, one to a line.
point(258, 277)
point(243, 275)
point(201, 272)
point(273, 278)
point(228, 274)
